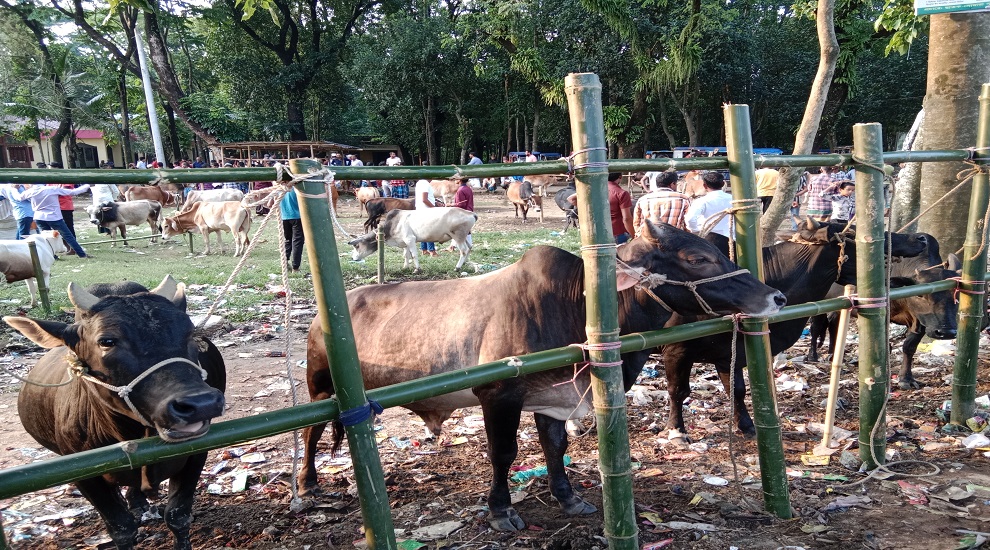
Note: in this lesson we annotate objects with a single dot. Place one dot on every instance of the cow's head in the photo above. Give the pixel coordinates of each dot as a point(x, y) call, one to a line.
point(170, 227)
point(53, 239)
point(936, 313)
point(663, 253)
point(364, 246)
point(138, 353)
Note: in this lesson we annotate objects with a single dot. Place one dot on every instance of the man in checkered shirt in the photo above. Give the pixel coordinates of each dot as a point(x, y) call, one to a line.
point(663, 205)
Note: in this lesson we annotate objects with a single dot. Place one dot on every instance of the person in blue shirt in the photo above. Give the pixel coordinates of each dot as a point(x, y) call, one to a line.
point(22, 209)
point(293, 230)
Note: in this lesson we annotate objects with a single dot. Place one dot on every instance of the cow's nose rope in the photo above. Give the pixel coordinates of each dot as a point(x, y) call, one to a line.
point(648, 281)
point(78, 369)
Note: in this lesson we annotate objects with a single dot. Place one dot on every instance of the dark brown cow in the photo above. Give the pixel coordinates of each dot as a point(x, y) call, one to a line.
point(143, 346)
point(379, 207)
point(535, 304)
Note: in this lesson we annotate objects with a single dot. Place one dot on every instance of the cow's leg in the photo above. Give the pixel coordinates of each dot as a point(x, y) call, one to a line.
point(502, 414)
point(413, 252)
point(678, 369)
point(738, 394)
point(905, 379)
point(464, 250)
point(817, 329)
point(220, 241)
point(106, 498)
point(32, 285)
point(123, 234)
point(516, 206)
point(307, 479)
point(155, 231)
point(553, 439)
point(181, 491)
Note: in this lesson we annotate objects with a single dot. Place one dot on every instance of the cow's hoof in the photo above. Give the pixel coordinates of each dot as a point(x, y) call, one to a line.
point(681, 441)
point(309, 490)
point(578, 507)
point(909, 384)
point(508, 520)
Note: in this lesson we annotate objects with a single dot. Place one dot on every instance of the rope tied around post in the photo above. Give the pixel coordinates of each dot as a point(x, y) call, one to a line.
point(978, 291)
point(357, 415)
point(571, 167)
point(738, 205)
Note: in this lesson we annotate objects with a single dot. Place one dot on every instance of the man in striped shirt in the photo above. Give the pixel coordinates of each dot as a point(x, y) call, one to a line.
point(663, 205)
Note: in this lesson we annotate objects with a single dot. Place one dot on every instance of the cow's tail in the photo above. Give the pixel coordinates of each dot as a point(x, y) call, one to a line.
point(337, 437)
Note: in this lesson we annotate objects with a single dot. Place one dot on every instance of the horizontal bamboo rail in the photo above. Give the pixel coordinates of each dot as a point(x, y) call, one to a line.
point(66, 469)
point(218, 175)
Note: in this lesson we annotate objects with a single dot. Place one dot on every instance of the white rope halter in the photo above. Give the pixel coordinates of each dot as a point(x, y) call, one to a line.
point(78, 369)
point(648, 281)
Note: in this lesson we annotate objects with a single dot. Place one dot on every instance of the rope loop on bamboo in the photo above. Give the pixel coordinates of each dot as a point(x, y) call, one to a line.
point(738, 205)
point(571, 167)
point(862, 302)
point(357, 415)
point(978, 291)
point(737, 326)
point(867, 164)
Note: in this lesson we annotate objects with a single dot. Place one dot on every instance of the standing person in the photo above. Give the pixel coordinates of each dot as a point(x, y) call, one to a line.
point(48, 215)
point(665, 204)
point(292, 229)
point(22, 208)
point(424, 200)
point(475, 160)
point(713, 202)
point(199, 163)
point(397, 188)
point(694, 185)
point(530, 157)
point(797, 200)
point(842, 194)
point(620, 209)
point(766, 185)
point(464, 198)
point(820, 207)
point(141, 164)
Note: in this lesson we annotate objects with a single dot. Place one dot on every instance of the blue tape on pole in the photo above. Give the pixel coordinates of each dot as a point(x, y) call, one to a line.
point(358, 415)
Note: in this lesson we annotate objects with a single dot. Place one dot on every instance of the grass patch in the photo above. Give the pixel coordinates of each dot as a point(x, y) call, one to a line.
point(260, 278)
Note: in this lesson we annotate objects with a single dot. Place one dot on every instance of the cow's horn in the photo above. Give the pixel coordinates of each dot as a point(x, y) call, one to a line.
point(652, 233)
point(83, 300)
point(166, 288)
point(810, 224)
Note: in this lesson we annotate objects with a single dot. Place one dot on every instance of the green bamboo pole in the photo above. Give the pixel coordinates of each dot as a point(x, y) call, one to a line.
point(380, 239)
point(874, 372)
point(191, 251)
point(39, 277)
point(66, 469)
point(338, 336)
point(972, 299)
point(749, 255)
point(584, 101)
point(109, 241)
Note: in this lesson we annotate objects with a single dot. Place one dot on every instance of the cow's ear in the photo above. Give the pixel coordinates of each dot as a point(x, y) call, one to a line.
point(627, 277)
point(180, 296)
point(47, 334)
point(166, 288)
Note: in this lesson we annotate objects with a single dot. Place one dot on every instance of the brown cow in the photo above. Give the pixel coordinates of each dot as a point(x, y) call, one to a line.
point(445, 190)
point(377, 208)
point(212, 217)
point(365, 194)
point(152, 193)
point(520, 194)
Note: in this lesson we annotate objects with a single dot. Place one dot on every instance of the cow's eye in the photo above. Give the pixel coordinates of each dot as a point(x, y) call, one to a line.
point(107, 342)
point(697, 260)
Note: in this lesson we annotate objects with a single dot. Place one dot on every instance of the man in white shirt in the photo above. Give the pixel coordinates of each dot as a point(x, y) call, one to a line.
point(530, 157)
point(714, 201)
point(474, 182)
point(424, 200)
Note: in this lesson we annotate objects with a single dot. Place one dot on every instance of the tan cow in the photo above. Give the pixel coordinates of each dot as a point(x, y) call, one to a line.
point(445, 190)
point(152, 193)
point(212, 217)
point(520, 194)
point(211, 195)
point(365, 194)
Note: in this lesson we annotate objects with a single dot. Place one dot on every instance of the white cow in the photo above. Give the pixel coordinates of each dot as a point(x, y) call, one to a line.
point(405, 228)
point(212, 217)
point(118, 215)
point(211, 195)
point(15, 259)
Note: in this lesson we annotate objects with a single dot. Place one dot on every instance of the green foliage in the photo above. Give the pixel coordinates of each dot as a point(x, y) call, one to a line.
point(905, 27)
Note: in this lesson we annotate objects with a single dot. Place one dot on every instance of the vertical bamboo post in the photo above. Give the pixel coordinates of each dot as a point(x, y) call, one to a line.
point(338, 335)
point(749, 255)
point(189, 235)
point(39, 277)
point(380, 239)
point(972, 297)
point(874, 372)
point(833, 381)
point(584, 100)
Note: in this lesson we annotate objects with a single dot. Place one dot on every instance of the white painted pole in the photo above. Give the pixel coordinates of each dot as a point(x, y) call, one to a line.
point(833, 386)
point(149, 98)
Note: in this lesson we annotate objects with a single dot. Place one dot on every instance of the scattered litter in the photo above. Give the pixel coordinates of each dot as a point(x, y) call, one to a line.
point(253, 458)
point(914, 493)
point(652, 518)
point(715, 480)
point(686, 526)
point(525, 473)
point(850, 460)
point(437, 531)
point(409, 544)
point(240, 481)
point(975, 441)
point(517, 496)
point(847, 501)
point(658, 545)
point(698, 447)
point(814, 460)
point(805, 474)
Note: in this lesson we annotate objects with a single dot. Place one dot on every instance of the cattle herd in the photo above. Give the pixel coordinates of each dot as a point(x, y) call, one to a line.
point(140, 368)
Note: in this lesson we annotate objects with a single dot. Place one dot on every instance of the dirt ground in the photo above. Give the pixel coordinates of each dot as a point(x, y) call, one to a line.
point(685, 498)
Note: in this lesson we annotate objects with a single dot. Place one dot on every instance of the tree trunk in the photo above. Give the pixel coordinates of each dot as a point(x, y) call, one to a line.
point(125, 120)
point(958, 62)
point(168, 82)
point(72, 149)
point(536, 125)
point(428, 130)
point(907, 188)
point(665, 125)
point(294, 114)
point(173, 135)
point(58, 138)
point(804, 141)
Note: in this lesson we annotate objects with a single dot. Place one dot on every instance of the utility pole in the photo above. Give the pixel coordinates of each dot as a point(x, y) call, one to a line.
point(149, 98)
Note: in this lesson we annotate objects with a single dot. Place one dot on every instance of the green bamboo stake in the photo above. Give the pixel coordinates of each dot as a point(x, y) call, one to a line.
point(380, 239)
point(338, 336)
point(972, 298)
point(584, 100)
point(874, 372)
point(749, 255)
point(39, 277)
